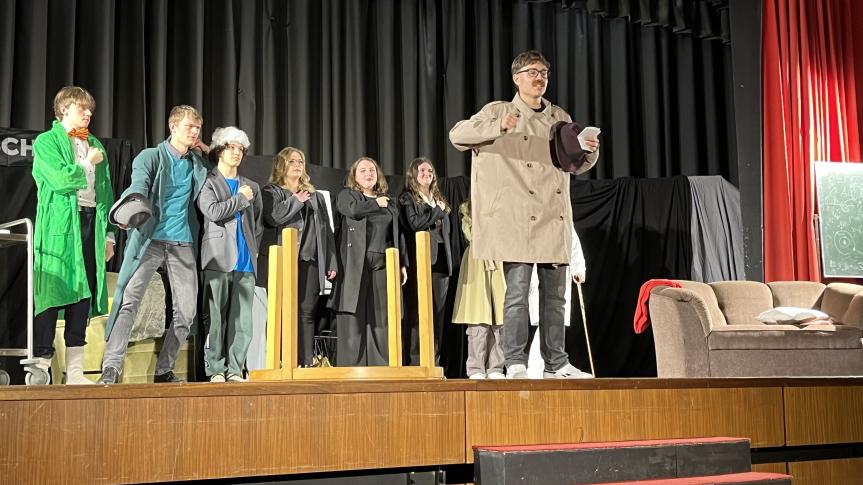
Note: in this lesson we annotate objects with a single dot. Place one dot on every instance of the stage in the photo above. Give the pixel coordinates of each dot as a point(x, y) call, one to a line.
point(158, 433)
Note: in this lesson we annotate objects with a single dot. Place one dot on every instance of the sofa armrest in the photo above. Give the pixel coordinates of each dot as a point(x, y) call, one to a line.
point(838, 302)
point(681, 323)
point(854, 314)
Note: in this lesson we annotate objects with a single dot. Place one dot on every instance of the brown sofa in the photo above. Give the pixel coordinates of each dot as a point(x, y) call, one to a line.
point(710, 330)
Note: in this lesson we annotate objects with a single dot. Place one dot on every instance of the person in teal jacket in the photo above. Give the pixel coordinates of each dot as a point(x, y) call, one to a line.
point(170, 176)
point(72, 239)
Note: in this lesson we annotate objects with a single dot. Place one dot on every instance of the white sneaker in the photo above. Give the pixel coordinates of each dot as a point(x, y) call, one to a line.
point(496, 375)
point(235, 377)
point(516, 371)
point(478, 375)
point(568, 371)
point(217, 378)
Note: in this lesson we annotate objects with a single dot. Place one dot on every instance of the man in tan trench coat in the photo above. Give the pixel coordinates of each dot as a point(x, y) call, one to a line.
point(521, 209)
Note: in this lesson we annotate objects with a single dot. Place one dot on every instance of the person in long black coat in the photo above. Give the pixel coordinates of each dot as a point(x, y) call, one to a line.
point(369, 225)
point(290, 200)
point(424, 208)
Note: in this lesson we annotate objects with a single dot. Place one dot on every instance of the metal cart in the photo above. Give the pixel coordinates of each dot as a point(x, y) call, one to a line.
point(37, 371)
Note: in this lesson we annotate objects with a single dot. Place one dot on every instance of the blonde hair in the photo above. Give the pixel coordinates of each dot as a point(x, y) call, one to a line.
point(72, 95)
point(181, 111)
point(413, 187)
point(280, 170)
point(380, 188)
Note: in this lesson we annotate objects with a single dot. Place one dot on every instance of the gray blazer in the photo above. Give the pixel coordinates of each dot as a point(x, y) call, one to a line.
point(219, 207)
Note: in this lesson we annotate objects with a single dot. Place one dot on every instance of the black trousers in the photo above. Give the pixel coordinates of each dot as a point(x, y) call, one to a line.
point(308, 296)
point(410, 323)
point(75, 314)
point(363, 336)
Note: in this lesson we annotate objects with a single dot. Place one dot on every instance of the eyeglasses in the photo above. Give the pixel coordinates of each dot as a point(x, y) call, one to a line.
point(533, 73)
point(296, 162)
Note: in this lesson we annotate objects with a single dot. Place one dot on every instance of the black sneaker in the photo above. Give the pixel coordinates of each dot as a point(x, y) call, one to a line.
point(167, 377)
point(110, 375)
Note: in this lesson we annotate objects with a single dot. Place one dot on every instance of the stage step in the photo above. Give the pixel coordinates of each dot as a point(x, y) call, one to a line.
point(577, 463)
point(746, 478)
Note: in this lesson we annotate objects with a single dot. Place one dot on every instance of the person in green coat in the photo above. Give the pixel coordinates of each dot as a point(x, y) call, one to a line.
point(73, 239)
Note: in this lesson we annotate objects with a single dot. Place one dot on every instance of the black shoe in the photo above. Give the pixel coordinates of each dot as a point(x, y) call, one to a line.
point(110, 375)
point(167, 377)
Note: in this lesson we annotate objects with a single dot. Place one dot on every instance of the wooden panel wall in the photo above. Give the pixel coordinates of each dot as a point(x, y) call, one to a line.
point(827, 472)
point(551, 416)
point(823, 415)
point(167, 439)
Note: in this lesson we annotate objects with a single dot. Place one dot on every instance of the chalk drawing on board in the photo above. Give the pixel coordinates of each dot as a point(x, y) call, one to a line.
point(840, 209)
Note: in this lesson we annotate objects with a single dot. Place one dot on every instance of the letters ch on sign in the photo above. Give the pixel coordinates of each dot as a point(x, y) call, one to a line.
point(17, 147)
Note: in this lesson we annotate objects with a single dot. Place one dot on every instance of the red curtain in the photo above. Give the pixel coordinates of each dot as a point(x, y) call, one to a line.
point(812, 74)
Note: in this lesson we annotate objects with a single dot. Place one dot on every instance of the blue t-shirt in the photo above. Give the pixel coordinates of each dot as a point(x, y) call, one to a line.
point(174, 221)
point(244, 259)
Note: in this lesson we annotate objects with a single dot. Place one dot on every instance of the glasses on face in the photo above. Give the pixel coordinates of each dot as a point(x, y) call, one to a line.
point(533, 73)
point(296, 162)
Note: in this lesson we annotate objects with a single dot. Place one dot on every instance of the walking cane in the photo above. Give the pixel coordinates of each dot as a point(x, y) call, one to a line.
point(584, 320)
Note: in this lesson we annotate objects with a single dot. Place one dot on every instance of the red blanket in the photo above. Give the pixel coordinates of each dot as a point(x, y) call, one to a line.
point(642, 315)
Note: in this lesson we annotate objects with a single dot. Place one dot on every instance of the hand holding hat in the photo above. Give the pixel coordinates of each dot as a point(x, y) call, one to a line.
point(569, 144)
point(130, 211)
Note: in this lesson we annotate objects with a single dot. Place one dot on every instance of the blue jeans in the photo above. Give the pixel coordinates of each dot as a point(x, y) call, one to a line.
point(179, 261)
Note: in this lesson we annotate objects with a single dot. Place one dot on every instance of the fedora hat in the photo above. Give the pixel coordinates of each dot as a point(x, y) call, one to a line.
point(566, 151)
point(131, 211)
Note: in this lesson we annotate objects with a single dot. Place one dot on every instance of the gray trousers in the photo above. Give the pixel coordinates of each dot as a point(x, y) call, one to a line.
point(484, 350)
point(516, 318)
point(178, 259)
point(229, 297)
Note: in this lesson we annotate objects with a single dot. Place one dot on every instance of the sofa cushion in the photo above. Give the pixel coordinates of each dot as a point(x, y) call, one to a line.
point(781, 337)
point(803, 294)
point(741, 301)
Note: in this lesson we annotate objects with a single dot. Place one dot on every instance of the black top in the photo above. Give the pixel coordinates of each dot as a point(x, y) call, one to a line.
point(379, 234)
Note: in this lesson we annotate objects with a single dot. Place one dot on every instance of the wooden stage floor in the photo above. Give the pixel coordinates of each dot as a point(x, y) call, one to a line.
point(158, 433)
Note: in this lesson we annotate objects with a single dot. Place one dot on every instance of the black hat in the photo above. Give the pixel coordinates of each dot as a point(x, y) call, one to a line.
point(131, 211)
point(566, 151)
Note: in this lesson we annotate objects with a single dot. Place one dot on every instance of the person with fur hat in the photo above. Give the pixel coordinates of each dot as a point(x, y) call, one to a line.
point(170, 176)
point(72, 240)
point(232, 208)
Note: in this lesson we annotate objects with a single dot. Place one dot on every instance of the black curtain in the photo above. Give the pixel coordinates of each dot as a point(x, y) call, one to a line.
point(631, 230)
point(388, 79)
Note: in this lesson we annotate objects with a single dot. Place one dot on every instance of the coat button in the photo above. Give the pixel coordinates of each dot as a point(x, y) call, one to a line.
point(350, 229)
point(529, 165)
point(349, 244)
point(533, 218)
point(561, 217)
point(531, 192)
point(558, 191)
point(525, 137)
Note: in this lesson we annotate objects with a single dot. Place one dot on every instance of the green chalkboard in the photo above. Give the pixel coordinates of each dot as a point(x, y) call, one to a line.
point(840, 211)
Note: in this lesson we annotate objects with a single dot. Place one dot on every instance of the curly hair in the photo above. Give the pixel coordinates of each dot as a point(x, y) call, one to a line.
point(413, 187)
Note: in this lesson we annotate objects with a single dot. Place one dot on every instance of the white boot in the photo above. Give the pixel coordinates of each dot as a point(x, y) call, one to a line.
point(75, 366)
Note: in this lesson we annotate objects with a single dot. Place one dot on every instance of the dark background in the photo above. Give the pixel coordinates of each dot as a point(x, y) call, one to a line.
point(389, 79)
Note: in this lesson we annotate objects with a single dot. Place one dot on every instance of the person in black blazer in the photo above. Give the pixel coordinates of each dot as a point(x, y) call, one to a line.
point(424, 208)
point(369, 225)
point(290, 200)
